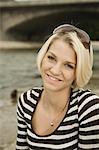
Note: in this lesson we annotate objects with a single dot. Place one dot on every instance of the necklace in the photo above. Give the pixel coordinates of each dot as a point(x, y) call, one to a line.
point(59, 114)
point(53, 123)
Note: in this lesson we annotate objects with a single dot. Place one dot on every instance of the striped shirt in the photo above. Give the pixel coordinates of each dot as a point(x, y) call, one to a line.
point(79, 130)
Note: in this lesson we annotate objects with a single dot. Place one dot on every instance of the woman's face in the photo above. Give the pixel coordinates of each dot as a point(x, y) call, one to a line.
point(58, 66)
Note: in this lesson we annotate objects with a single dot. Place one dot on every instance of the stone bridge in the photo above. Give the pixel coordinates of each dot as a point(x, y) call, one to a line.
point(34, 20)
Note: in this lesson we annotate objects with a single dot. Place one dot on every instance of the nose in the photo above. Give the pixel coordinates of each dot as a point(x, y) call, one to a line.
point(56, 69)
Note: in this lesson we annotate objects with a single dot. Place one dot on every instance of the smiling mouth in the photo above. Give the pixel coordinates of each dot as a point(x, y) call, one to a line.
point(53, 78)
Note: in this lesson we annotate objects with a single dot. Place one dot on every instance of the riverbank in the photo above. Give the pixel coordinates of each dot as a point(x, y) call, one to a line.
point(95, 45)
point(6, 45)
point(8, 127)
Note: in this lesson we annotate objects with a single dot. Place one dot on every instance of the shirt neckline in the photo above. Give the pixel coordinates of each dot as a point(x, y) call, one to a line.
point(52, 133)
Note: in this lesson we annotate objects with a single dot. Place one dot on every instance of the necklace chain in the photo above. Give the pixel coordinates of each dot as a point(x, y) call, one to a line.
point(58, 115)
point(52, 123)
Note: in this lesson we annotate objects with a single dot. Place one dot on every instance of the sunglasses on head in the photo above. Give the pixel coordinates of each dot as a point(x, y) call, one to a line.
point(84, 37)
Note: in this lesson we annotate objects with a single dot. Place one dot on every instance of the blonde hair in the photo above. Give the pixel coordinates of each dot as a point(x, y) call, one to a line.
point(84, 57)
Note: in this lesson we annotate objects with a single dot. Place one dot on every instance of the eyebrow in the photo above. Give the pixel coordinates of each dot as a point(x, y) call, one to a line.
point(53, 54)
point(65, 61)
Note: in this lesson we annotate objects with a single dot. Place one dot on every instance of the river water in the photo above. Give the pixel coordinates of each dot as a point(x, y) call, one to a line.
point(18, 70)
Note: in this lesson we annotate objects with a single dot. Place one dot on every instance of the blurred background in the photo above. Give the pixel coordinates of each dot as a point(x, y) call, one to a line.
point(24, 26)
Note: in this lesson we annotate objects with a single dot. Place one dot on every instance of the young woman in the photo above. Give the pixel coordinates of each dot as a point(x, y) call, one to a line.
point(61, 114)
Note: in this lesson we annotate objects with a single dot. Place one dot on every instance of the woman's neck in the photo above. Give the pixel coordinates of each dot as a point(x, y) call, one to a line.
point(55, 101)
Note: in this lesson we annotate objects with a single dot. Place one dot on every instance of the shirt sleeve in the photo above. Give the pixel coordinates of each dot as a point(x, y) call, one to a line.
point(21, 143)
point(88, 122)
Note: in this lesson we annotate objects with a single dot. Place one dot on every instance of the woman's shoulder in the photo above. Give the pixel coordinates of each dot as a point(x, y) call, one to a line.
point(84, 93)
point(88, 104)
point(85, 96)
point(87, 100)
point(31, 96)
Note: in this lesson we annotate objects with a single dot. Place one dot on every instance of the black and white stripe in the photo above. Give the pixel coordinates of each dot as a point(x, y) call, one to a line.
point(78, 131)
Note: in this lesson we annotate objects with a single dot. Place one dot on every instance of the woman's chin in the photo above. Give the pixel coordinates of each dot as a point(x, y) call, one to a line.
point(52, 87)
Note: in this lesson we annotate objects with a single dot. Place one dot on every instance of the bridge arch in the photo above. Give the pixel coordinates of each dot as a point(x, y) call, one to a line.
point(34, 23)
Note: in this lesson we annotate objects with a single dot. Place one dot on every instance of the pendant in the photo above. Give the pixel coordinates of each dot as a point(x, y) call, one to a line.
point(52, 123)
